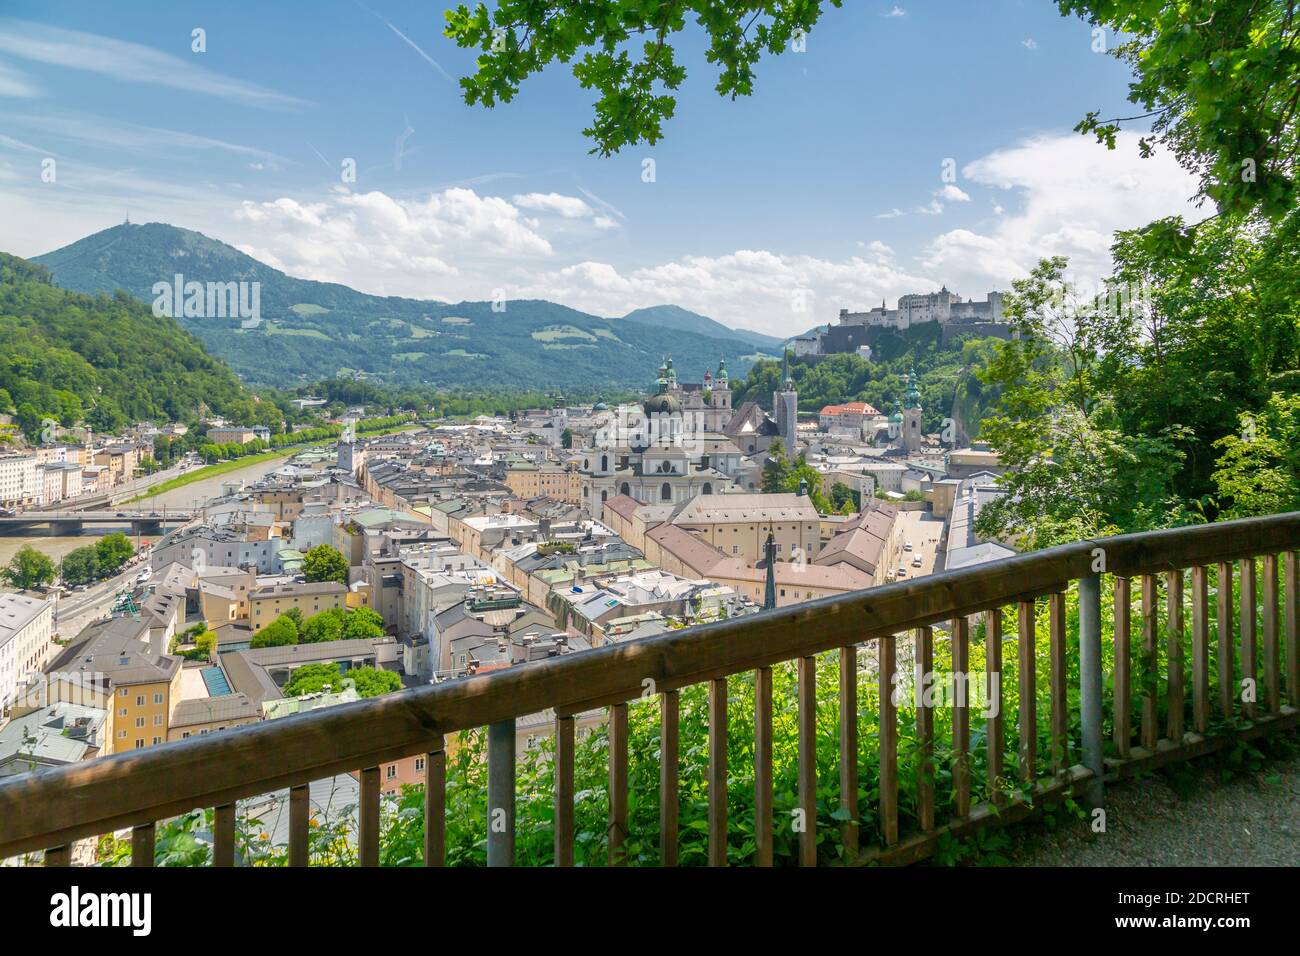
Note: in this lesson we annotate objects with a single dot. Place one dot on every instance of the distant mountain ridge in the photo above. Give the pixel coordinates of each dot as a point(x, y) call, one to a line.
point(312, 330)
point(675, 317)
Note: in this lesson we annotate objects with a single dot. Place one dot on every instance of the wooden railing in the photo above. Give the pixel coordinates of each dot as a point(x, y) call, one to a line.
point(48, 810)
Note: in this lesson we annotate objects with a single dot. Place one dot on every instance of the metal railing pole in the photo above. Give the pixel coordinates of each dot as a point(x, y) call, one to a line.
point(501, 794)
point(1090, 706)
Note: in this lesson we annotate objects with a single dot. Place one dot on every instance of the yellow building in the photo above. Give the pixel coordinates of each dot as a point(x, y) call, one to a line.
point(268, 603)
point(527, 480)
point(137, 681)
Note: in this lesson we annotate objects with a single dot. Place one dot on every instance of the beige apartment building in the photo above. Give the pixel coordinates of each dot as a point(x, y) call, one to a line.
point(738, 525)
point(268, 603)
point(527, 480)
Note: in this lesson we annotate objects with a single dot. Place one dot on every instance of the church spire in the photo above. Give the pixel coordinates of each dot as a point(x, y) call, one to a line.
point(769, 590)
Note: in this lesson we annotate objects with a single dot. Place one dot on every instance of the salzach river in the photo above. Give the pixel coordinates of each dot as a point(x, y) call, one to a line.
point(184, 497)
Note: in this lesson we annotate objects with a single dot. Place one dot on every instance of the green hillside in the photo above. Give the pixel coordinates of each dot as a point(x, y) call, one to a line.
point(103, 360)
point(314, 330)
point(947, 378)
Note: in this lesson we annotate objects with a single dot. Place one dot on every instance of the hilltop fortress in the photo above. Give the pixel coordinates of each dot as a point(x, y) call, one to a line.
point(953, 313)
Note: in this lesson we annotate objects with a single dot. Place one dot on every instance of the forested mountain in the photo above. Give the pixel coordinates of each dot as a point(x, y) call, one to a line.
point(675, 317)
point(313, 330)
point(105, 360)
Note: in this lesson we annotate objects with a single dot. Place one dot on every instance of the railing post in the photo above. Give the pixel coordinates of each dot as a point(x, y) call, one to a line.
point(1090, 686)
point(501, 794)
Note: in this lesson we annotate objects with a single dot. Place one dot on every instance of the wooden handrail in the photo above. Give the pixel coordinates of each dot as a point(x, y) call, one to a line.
point(53, 807)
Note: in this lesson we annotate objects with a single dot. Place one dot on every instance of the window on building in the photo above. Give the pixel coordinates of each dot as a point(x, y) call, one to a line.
point(666, 492)
point(419, 765)
point(139, 721)
point(157, 698)
point(139, 701)
point(157, 720)
point(390, 771)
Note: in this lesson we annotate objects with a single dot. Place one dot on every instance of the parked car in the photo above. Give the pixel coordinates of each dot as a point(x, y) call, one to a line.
point(916, 561)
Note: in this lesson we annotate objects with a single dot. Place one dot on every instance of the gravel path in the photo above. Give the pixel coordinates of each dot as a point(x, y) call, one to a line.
point(1251, 820)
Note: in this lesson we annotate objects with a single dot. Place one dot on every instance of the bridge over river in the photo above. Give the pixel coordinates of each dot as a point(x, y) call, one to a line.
point(74, 522)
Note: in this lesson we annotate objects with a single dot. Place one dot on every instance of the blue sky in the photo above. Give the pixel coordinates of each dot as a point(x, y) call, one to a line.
point(823, 190)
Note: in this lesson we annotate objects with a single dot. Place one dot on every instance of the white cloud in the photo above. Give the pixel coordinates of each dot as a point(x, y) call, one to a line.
point(387, 245)
point(570, 207)
point(952, 194)
point(897, 12)
point(749, 288)
point(129, 62)
point(1029, 43)
point(1072, 196)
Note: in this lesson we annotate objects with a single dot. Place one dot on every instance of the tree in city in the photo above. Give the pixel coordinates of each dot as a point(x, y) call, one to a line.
point(566, 437)
point(372, 682)
point(28, 569)
point(279, 633)
point(314, 679)
point(803, 478)
point(776, 470)
point(325, 626)
point(324, 563)
point(362, 623)
point(114, 550)
point(81, 566)
point(844, 500)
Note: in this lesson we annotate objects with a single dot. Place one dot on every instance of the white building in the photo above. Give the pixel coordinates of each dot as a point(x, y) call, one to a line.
point(19, 484)
point(26, 641)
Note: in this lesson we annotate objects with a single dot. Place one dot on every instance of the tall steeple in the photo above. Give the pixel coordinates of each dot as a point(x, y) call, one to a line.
point(785, 407)
point(912, 399)
point(769, 591)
